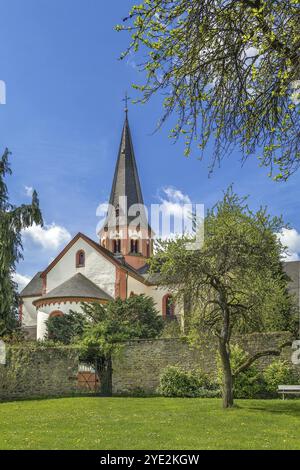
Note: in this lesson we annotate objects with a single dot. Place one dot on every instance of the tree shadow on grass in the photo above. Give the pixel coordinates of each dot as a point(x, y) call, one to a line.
point(286, 407)
point(47, 398)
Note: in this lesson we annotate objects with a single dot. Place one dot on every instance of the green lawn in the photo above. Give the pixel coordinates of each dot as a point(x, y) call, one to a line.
point(149, 423)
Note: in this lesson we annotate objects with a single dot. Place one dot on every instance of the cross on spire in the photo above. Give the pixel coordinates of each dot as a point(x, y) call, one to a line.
point(126, 99)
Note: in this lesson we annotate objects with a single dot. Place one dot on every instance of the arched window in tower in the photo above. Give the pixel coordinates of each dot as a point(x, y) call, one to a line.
point(80, 259)
point(168, 306)
point(134, 246)
point(117, 212)
point(117, 246)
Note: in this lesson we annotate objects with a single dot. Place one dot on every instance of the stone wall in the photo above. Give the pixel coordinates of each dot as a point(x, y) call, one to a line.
point(139, 364)
point(38, 372)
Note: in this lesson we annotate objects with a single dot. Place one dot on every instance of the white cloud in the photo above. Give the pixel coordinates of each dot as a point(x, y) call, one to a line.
point(291, 239)
point(130, 61)
point(102, 209)
point(132, 64)
point(176, 210)
point(29, 191)
point(20, 280)
point(173, 202)
point(49, 237)
point(176, 195)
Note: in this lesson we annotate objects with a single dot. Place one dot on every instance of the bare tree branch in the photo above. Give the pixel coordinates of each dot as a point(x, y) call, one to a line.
point(255, 357)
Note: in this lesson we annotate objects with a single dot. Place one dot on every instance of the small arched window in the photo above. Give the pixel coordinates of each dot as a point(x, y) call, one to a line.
point(80, 259)
point(56, 314)
point(117, 212)
point(134, 246)
point(168, 306)
point(117, 246)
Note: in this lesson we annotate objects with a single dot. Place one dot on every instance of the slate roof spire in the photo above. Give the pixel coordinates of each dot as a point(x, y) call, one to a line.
point(126, 179)
point(126, 231)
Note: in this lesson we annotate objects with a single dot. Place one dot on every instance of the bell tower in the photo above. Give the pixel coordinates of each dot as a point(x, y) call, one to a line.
point(126, 232)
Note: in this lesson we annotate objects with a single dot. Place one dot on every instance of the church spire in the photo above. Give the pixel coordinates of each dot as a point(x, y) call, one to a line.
point(124, 235)
point(126, 179)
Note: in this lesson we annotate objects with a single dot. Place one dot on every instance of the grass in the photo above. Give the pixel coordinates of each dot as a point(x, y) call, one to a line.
point(149, 423)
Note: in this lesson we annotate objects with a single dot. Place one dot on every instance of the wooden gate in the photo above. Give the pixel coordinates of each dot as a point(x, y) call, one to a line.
point(88, 380)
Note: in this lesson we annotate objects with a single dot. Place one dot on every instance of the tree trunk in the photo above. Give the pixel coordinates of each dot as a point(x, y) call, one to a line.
point(187, 306)
point(227, 374)
point(104, 370)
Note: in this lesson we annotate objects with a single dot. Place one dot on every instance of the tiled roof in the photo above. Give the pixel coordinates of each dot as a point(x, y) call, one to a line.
point(77, 286)
point(126, 180)
point(34, 288)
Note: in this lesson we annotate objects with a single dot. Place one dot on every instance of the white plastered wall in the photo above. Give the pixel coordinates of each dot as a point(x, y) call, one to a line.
point(97, 268)
point(157, 293)
point(29, 313)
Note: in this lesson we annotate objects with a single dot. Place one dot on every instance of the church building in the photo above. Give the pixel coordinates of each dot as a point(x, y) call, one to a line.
point(99, 271)
point(115, 266)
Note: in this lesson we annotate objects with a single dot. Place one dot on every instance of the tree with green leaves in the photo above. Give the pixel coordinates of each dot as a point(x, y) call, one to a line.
point(112, 324)
point(66, 329)
point(12, 221)
point(234, 284)
point(229, 69)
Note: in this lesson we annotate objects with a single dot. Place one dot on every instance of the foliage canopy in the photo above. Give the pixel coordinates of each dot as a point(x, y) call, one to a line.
point(229, 69)
point(13, 220)
point(233, 284)
point(112, 324)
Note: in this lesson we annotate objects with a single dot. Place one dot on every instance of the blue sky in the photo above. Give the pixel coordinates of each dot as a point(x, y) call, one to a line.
point(63, 119)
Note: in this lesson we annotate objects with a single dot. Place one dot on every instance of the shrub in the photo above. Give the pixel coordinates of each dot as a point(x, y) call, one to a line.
point(248, 384)
point(67, 328)
point(176, 382)
point(171, 329)
point(15, 337)
point(278, 373)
